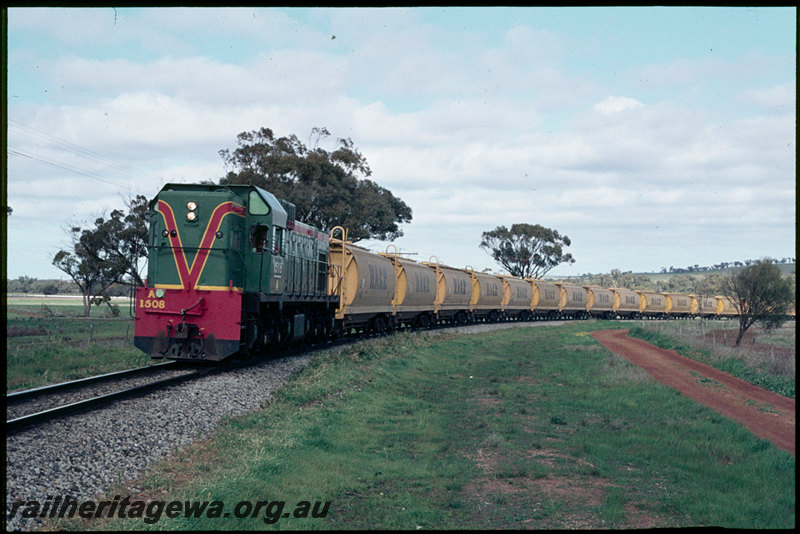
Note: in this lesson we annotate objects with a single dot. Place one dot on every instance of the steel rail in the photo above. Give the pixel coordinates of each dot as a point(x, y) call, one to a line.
point(79, 406)
point(27, 394)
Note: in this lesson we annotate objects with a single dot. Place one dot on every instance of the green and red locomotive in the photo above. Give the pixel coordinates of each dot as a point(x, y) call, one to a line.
point(229, 270)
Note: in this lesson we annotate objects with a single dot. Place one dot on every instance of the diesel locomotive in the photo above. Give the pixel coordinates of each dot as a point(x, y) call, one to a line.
point(231, 272)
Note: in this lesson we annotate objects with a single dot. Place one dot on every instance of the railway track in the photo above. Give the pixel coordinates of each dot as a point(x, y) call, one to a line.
point(38, 405)
point(35, 406)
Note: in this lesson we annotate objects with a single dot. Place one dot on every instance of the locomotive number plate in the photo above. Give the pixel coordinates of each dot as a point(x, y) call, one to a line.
point(154, 301)
point(153, 304)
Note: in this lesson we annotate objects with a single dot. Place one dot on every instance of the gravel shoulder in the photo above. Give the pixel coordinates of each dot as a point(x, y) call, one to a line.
point(83, 455)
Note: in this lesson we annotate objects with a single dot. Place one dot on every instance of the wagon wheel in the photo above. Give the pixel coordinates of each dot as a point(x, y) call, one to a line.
point(424, 321)
point(379, 325)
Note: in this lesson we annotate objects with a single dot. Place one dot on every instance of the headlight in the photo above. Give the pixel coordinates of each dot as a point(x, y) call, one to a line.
point(192, 214)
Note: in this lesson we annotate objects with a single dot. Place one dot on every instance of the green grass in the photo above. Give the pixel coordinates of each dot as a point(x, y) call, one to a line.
point(525, 428)
point(63, 305)
point(50, 344)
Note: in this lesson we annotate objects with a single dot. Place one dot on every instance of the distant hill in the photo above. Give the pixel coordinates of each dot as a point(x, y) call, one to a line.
point(785, 268)
point(678, 282)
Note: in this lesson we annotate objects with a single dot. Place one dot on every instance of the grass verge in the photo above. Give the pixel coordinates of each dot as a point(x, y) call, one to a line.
point(768, 369)
point(46, 345)
point(523, 428)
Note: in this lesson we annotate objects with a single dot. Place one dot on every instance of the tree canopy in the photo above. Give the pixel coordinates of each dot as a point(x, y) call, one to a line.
point(108, 252)
point(526, 250)
point(761, 295)
point(327, 188)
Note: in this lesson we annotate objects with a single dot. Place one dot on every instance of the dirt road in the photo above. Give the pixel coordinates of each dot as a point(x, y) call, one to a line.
point(768, 415)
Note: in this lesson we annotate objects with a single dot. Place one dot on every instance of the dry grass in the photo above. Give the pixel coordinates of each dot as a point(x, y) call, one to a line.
point(772, 352)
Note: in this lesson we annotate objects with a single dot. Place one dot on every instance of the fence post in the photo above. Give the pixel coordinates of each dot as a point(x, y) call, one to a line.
point(91, 333)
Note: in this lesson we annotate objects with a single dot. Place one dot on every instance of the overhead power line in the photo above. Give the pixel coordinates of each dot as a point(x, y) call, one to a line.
point(20, 153)
point(71, 148)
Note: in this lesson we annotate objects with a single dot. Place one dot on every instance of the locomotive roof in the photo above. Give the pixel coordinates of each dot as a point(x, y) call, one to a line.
point(279, 215)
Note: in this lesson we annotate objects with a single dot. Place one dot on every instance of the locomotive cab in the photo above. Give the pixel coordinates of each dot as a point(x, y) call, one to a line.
point(266, 223)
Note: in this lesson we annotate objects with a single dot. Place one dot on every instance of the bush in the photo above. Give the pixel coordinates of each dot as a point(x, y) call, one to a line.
point(50, 289)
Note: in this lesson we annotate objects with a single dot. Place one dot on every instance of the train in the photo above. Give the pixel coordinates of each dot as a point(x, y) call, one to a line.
point(231, 272)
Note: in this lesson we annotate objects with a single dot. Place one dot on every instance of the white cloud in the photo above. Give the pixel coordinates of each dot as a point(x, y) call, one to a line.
point(472, 129)
point(616, 104)
point(781, 99)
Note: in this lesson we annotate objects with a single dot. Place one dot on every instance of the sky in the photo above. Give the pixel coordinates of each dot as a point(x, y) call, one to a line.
point(651, 137)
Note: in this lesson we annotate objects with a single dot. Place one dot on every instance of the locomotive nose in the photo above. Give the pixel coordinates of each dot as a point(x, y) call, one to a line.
point(188, 325)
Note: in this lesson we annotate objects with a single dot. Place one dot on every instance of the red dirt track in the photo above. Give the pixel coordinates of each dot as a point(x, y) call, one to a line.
point(768, 415)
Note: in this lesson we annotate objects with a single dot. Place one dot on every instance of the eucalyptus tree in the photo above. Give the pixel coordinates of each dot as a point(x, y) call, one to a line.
point(328, 189)
point(761, 295)
point(526, 250)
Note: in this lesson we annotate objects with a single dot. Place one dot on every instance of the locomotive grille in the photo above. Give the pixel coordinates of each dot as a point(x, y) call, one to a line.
point(290, 210)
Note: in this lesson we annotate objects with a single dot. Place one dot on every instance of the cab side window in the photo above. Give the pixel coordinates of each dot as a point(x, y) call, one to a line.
point(259, 238)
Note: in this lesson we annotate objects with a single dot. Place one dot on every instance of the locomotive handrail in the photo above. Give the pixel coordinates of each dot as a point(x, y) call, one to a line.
point(343, 230)
point(185, 311)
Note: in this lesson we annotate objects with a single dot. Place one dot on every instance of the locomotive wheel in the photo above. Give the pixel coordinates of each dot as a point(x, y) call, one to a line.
point(252, 342)
point(283, 333)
